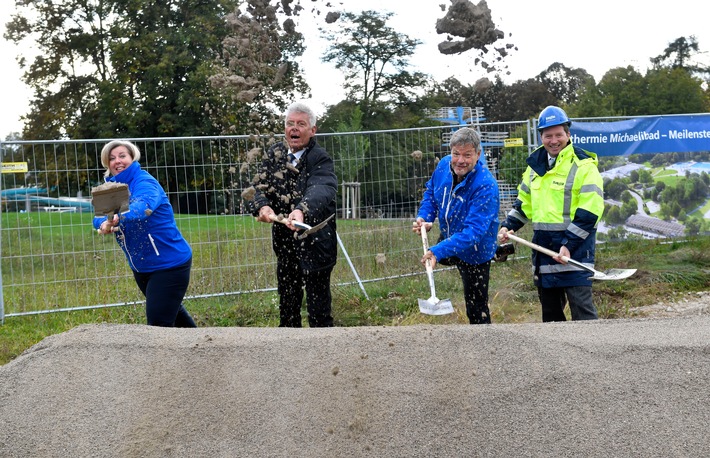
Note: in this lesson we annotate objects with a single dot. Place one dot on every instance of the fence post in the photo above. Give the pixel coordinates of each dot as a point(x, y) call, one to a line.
point(351, 200)
point(2, 299)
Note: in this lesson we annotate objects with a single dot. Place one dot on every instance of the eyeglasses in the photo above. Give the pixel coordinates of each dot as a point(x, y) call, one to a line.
point(300, 124)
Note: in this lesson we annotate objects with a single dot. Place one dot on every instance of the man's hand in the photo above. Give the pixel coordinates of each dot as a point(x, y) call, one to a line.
point(419, 224)
point(296, 215)
point(430, 256)
point(564, 252)
point(503, 234)
point(265, 214)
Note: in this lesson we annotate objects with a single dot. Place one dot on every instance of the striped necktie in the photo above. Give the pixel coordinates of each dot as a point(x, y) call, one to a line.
point(291, 159)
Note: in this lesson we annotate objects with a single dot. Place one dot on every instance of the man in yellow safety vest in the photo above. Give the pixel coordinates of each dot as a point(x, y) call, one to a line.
point(561, 193)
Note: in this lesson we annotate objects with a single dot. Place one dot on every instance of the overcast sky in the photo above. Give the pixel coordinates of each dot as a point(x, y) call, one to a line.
point(594, 35)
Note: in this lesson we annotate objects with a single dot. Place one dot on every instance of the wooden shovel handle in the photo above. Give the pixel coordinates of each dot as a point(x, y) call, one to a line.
point(425, 245)
point(425, 239)
point(275, 218)
point(534, 246)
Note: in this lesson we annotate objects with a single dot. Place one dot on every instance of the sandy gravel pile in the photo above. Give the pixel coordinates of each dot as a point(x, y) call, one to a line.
point(606, 388)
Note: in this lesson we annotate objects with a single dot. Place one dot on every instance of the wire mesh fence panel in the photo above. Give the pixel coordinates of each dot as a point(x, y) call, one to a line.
point(53, 259)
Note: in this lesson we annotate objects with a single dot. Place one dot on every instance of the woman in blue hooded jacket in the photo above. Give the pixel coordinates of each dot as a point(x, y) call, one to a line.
point(463, 194)
point(157, 253)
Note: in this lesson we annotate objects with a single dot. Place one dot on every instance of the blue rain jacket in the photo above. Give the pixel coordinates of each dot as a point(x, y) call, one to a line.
point(148, 234)
point(467, 212)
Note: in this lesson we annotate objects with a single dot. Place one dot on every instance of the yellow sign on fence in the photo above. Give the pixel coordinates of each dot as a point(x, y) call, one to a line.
point(510, 142)
point(14, 167)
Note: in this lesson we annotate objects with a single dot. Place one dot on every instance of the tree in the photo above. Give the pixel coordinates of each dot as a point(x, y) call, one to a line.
point(694, 225)
point(564, 83)
point(670, 87)
point(374, 58)
point(645, 177)
point(257, 74)
point(110, 68)
point(522, 100)
point(612, 215)
point(614, 188)
point(512, 165)
point(121, 68)
point(622, 91)
point(673, 91)
point(680, 54)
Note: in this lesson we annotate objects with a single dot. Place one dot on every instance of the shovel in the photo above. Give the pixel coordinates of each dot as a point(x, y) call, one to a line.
point(110, 199)
point(432, 306)
point(308, 229)
point(611, 274)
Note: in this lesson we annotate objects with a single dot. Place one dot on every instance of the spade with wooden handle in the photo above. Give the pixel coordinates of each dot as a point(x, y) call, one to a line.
point(110, 199)
point(308, 229)
point(432, 306)
point(611, 274)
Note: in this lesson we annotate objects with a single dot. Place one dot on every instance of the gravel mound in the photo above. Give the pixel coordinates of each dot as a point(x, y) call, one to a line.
point(595, 389)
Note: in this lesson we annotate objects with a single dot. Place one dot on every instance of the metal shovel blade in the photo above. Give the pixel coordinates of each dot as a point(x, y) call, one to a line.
point(613, 274)
point(310, 230)
point(434, 306)
point(110, 198)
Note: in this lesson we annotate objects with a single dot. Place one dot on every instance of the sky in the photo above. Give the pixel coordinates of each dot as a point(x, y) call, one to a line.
point(594, 35)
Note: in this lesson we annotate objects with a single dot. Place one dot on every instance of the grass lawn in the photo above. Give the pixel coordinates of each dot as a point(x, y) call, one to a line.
point(664, 269)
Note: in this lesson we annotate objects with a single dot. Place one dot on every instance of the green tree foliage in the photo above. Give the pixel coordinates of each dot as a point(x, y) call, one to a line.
point(617, 233)
point(673, 91)
point(612, 215)
point(108, 68)
point(121, 68)
point(620, 91)
point(694, 225)
point(645, 177)
point(670, 87)
point(627, 197)
point(681, 54)
point(512, 165)
point(628, 209)
point(522, 100)
point(257, 76)
point(564, 83)
point(614, 188)
point(349, 152)
point(374, 58)
point(686, 194)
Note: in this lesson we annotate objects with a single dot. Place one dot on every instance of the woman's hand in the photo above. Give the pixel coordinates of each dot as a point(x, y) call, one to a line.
point(108, 225)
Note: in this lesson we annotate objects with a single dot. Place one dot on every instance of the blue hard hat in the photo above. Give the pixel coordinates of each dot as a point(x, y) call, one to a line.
point(552, 116)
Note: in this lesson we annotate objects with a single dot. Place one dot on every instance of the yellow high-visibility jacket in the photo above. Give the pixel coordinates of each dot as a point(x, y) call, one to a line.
point(564, 205)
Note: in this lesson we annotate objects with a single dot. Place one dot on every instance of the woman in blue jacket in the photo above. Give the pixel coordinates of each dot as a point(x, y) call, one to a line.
point(463, 194)
point(157, 253)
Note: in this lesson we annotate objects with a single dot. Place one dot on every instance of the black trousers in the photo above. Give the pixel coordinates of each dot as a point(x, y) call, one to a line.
point(553, 301)
point(164, 291)
point(291, 283)
point(475, 290)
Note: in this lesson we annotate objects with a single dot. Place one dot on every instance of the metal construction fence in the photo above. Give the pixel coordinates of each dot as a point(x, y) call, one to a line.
point(52, 259)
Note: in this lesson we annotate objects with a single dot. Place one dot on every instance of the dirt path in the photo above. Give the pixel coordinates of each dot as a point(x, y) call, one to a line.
point(680, 305)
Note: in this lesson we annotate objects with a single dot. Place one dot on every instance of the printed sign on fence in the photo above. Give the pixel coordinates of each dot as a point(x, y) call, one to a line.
point(14, 167)
point(511, 142)
point(653, 134)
